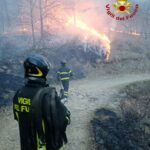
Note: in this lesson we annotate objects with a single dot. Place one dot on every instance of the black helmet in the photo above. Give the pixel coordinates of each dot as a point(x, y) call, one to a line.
point(36, 66)
point(63, 62)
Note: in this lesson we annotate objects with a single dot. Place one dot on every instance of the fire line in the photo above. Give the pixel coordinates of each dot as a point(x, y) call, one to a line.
point(102, 37)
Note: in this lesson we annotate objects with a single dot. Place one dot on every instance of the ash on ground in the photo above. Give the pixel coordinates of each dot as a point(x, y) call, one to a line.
point(130, 130)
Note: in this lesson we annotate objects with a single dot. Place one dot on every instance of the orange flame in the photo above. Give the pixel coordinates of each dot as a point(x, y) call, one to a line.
point(102, 37)
point(126, 32)
point(23, 30)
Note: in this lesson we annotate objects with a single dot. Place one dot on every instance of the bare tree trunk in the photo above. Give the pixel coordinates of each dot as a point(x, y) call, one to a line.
point(46, 16)
point(32, 23)
point(6, 11)
point(2, 22)
point(41, 22)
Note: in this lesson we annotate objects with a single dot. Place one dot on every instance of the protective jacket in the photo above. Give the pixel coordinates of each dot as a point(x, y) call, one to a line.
point(64, 73)
point(27, 111)
point(39, 118)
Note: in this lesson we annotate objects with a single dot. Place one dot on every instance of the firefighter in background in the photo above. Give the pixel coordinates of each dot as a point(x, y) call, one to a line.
point(64, 74)
point(37, 109)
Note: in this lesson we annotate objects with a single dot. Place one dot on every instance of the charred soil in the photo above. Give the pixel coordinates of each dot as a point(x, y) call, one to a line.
point(129, 127)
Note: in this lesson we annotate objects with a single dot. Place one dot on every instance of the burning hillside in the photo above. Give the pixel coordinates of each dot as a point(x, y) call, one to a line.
point(134, 33)
point(87, 32)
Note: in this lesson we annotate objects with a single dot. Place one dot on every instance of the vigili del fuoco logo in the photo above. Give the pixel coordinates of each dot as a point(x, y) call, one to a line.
point(121, 10)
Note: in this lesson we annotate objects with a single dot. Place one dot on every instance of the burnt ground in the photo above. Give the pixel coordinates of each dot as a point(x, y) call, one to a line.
point(9, 84)
point(130, 130)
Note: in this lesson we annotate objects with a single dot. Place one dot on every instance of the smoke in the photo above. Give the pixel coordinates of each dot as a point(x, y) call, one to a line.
point(18, 17)
point(93, 13)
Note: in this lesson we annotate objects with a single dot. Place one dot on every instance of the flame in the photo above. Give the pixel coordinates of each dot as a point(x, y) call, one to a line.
point(126, 32)
point(135, 33)
point(23, 30)
point(102, 37)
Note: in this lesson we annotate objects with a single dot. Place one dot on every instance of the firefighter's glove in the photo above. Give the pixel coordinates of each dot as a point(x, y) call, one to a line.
point(68, 120)
point(68, 117)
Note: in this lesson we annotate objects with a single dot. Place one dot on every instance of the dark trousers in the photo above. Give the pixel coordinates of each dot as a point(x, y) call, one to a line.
point(65, 84)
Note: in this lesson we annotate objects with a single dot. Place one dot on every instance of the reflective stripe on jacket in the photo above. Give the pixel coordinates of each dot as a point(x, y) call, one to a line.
point(64, 73)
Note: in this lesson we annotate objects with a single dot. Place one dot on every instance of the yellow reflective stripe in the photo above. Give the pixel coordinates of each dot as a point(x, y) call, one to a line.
point(38, 145)
point(65, 78)
point(17, 115)
point(37, 138)
point(65, 94)
point(44, 148)
point(43, 125)
point(62, 73)
point(62, 148)
point(39, 74)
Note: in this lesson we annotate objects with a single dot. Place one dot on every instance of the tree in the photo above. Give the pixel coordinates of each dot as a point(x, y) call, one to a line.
point(4, 17)
point(32, 22)
point(41, 22)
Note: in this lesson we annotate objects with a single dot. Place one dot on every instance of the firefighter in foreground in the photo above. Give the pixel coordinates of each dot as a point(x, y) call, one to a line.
point(42, 118)
point(63, 75)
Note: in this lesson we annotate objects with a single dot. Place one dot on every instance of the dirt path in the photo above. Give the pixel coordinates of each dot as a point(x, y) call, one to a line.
point(88, 95)
point(85, 96)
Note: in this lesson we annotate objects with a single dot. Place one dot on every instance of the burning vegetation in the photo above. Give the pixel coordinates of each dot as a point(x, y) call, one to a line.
point(134, 33)
point(88, 32)
point(38, 22)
